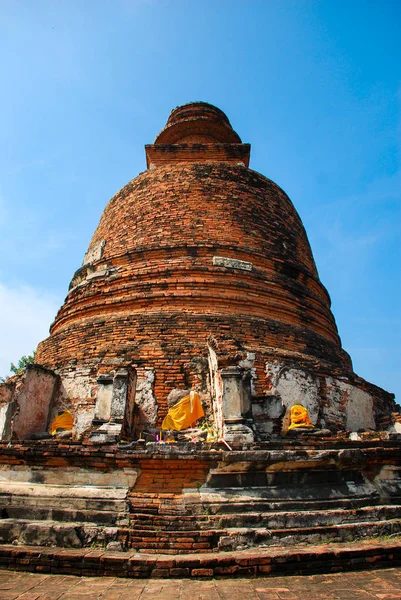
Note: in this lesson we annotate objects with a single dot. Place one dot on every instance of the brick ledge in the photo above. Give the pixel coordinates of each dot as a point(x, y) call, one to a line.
point(293, 560)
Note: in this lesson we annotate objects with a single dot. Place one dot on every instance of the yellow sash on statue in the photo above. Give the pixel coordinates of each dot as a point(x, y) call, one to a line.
point(63, 421)
point(299, 417)
point(185, 413)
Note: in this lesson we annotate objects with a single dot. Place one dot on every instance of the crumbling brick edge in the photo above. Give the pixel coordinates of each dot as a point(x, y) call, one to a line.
point(262, 562)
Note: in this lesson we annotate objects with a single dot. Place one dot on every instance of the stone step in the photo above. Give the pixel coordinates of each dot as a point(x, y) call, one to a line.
point(57, 497)
point(56, 533)
point(190, 543)
point(299, 478)
point(227, 501)
point(38, 513)
point(251, 537)
point(100, 504)
point(174, 551)
point(167, 535)
point(44, 501)
point(232, 538)
point(177, 547)
point(259, 562)
point(300, 491)
point(168, 522)
point(161, 507)
point(232, 505)
point(45, 490)
point(78, 535)
point(307, 518)
point(270, 520)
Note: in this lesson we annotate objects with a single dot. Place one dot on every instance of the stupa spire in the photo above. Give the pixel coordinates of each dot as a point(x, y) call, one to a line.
point(197, 132)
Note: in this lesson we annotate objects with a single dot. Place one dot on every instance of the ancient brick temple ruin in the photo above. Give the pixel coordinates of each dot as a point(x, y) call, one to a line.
point(199, 277)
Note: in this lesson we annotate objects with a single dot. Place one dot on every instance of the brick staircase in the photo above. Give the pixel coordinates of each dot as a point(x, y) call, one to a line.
point(320, 506)
point(61, 515)
point(178, 504)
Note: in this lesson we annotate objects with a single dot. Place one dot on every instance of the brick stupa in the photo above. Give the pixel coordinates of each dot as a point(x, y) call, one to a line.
point(199, 277)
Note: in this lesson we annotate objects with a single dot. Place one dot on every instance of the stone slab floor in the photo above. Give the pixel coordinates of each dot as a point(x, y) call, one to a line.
point(384, 584)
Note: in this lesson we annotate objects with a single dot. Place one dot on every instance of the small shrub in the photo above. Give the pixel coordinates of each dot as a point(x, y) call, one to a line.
point(23, 362)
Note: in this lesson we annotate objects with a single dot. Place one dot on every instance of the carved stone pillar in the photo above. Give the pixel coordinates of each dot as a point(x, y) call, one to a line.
point(110, 406)
point(236, 405)
point(103, 399)
point(119, 396)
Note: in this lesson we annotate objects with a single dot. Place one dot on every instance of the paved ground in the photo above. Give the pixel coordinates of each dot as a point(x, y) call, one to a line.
point(384, 584)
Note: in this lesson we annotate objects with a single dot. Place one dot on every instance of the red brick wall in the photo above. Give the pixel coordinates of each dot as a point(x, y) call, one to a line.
point(162, 231)
point(170, 476)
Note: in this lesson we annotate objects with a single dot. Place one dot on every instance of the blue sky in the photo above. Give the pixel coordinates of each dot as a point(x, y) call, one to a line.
point(313, 85)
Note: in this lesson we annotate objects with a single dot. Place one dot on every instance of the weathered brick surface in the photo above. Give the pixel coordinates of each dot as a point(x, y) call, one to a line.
point(170, 510)
point(170, 476)
point(263, 563)
point(204, 211)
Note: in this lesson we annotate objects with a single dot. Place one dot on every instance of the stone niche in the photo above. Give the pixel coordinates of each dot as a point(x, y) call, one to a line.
point(236, 404)
point(267, 412)
point(296, 386)
point(349, 406)
point(331, 402)
point(144, 400)
point(103, 399)
point(114, 408)
point(76, 393)
point(230, 391)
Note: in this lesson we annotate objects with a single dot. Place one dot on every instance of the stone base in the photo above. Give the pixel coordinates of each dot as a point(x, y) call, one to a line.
point(270, 562)
point(148, 499)
point(107, 433)
point(301, 431)
point(238, 433)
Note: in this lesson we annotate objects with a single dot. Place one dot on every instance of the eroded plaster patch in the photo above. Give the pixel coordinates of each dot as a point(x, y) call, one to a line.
point(272, 371)
point(348, 405)
point(145, 397)
point(33, 397)
point(77, 393)
point(233, 263)
point(7, 407)
point(296, 386)
point(118, 478)
point(216, 389)
point(248, 364)
point(359, 410)
point(94, 252)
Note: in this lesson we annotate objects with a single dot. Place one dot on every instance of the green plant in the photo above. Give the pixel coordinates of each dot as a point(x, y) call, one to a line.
point(23, 362)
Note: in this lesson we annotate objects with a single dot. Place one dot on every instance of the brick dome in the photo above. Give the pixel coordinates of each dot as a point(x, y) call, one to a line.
point(198, 252)
point(205, 240)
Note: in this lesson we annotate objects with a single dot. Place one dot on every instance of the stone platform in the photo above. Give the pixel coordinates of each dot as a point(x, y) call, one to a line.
point(200, 499)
